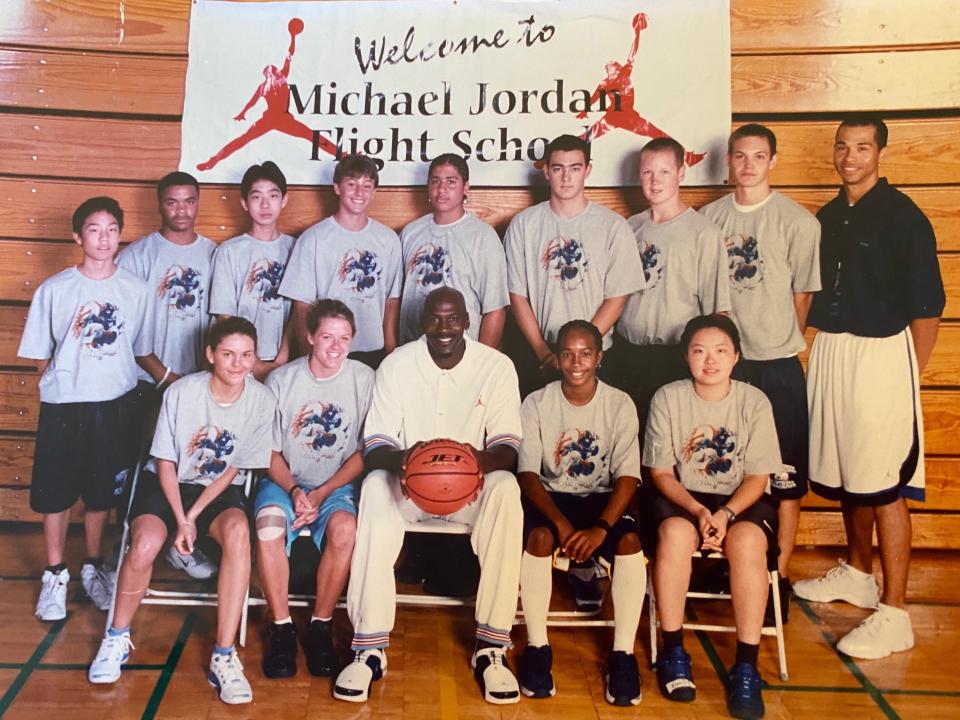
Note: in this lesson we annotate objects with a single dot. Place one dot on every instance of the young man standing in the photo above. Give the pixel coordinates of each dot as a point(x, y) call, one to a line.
point(567, 259)
point(877, 324)
point(772, 262)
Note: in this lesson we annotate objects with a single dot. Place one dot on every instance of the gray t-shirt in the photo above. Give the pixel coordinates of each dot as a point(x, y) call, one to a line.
point(567, 267)
point(205, 438)
point(685, 269)
point(360, 268)
point(579, 449)
point(246, 283)
point(91, 331)
point(319, 422)
point(773, 251)
point(179, 279)
point(465, 255)
point(711, 444)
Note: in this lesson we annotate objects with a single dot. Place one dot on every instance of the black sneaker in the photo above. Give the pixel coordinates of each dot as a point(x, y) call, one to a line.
point(786, 592)
point(675, 676)
point(587, 594)
point(623, 679)
point(322, 660)
point(280, 658)
point(536, 680)
point(744, 700)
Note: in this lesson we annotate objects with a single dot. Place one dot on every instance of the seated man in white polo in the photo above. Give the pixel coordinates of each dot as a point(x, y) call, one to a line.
point(443, 385)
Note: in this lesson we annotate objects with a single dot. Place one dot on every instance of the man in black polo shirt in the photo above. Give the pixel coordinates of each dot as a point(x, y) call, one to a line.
point(877, 319)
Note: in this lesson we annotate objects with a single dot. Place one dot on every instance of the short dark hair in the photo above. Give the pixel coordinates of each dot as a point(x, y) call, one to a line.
point(327, 308)
point(355, 165)
point(267, 171)
point(176, 178)
point(721, 322)
point(868, 120)
point(95, 204)
point(586, 326)
point(457, 162)
point(567, 143)
point(224, 327)
point(665, 144)
point(753, 130)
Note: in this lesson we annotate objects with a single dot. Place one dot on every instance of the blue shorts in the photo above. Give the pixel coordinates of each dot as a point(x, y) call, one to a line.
point(340, 499)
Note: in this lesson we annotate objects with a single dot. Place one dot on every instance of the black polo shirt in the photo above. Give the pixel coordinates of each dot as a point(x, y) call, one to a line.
point(878, 265)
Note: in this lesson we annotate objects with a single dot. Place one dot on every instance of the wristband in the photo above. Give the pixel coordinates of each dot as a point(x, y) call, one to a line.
point(165, 376)
point(602, 524)
point(731, 515)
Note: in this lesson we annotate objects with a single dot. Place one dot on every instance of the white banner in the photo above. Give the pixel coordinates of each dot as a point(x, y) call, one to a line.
point(405, 80)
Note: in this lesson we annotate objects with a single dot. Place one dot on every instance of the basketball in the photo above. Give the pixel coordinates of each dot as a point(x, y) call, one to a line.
point(296, 26)
point(442, 476)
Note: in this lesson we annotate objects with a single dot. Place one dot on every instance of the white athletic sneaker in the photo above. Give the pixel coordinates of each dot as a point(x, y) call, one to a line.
point(226, 674)
point(354, 681)
point(98, 584)
point(198, 566)
point(496, 680)
point(888, 630)
point(52, 603)
point(842, 582)
point(114, 651)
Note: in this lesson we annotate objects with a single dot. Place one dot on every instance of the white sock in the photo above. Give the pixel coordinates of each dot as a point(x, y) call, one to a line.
point(536, 584)
point(320, 619)
point(627, 589)
point(283, 621)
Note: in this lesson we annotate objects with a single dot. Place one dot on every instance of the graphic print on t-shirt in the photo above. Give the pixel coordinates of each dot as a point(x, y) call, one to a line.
point(209, 447)
point(359, 272)
point(578, 460)
point(430, 268)
point(263, 281)
point(180, 288)
point(710, 451)
point(98, 325)
point(743, 261)
point(317, 429)
point(564, 260)
point(653, 263)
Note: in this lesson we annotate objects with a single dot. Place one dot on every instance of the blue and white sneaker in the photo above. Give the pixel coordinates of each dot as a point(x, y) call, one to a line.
point(113, 653)
point(675, 675)
point(226, 674)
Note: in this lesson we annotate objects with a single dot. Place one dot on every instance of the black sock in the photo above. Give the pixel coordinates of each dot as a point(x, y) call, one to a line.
point(55, 569)
point(747, 653)
point(672, 638)
point(95, 561)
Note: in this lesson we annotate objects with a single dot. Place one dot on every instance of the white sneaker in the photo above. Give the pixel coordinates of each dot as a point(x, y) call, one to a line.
point(888, 630)
point(52, 603)
point(496, 680)
point(113, 653)
point(354, 681)
point(98, 584)
point(226, 674)
point(198, 566)
point(842, 582)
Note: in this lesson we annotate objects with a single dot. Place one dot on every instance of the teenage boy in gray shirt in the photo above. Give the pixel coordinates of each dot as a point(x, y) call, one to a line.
point(773, 266)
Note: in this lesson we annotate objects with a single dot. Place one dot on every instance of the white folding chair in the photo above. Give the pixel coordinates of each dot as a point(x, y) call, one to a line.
point(776, 631)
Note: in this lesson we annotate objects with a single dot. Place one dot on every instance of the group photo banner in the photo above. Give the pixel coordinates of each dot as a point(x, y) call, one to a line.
point(302, 83)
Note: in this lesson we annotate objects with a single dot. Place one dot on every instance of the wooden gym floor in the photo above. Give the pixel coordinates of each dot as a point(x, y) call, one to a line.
point(43, 666)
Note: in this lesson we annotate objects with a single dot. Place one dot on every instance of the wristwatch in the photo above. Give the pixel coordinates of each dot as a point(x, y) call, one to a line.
point(731, 515)
point(602, 524)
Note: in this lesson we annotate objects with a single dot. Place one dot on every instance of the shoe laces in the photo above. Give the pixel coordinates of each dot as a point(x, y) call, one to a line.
point(115, 647)
point(230, 669)
point(835, 572)
point(745, 683)
point(678, 665)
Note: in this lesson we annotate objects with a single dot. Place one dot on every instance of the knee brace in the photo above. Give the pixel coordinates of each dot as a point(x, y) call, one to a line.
point(271, 523)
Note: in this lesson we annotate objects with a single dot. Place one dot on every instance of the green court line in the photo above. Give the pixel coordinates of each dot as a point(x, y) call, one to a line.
point(156, 697)
point(84, 666)
point(718, 667)
point(848, 662)
point(28, 667)
point(815, 688)
point(923, 693)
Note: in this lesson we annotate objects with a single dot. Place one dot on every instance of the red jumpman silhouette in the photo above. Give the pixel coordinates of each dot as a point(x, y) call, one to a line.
point(626, 117)
point(276, 92)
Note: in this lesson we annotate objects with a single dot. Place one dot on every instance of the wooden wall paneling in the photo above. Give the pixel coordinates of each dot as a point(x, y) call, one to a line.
point(92, 82)
point(16, 460)
point(942, 492)
point(15, 506)
point(12, 320)
point(24, 265)
point(930, 530)
point(19, 401)
point(950, 270)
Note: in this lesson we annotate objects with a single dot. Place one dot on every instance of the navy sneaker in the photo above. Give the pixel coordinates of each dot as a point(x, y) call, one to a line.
point(280, 659)
point(536, 680)
point(587, 594)
point(743, 693)
point(623, 679)
point(675, 676)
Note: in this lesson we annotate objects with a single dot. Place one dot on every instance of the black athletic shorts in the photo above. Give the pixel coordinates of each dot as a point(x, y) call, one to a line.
point(763, 514)
point(784, 384)
point(150, 500)
point(641, 370)
point(84, 450)
point(582, 511)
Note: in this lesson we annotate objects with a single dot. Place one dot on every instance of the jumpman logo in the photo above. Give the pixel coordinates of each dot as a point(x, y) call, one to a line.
point(480, 402)
point(275, 91)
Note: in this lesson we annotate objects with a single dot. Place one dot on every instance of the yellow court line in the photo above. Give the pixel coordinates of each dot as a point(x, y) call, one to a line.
point(445, 668)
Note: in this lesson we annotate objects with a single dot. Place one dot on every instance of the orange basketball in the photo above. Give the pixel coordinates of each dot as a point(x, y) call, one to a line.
point(442, 476)
point(295, 26)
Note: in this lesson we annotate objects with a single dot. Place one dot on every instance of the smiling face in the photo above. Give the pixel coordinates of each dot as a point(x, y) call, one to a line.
point(264, 203)
point(445, 320)
point(751, 162)
point(856, 155)
point(711, 357)
point(179, 205)
point(660, 176)
point(233, 359)
point(579, 358)
point(355, 193)
point(567, 172)
point(330, 345)
point(446, 191)
point(99, 236)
